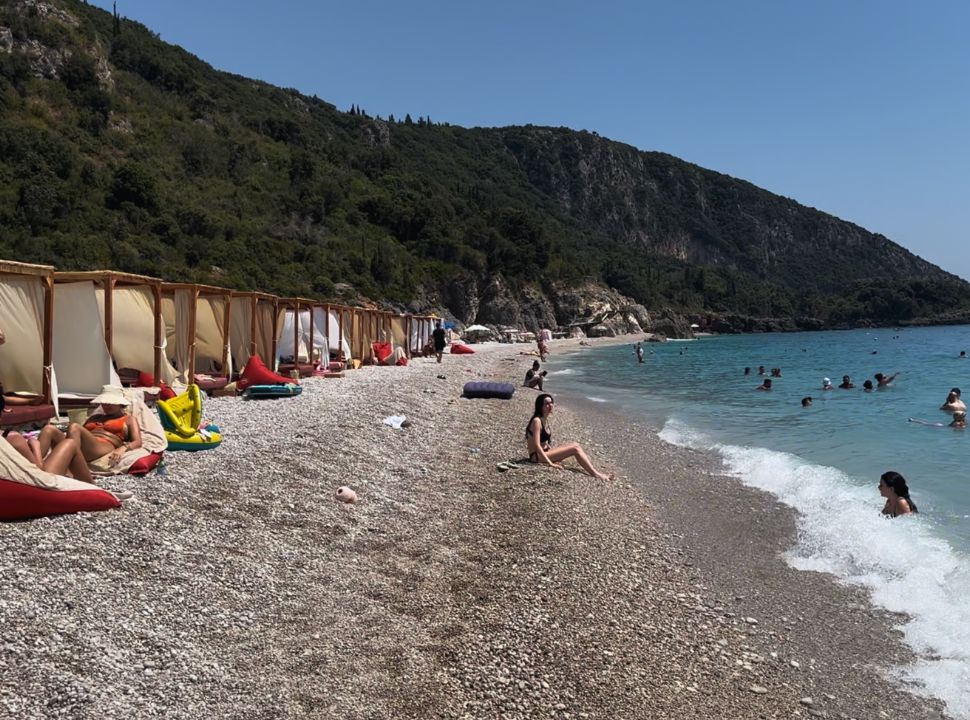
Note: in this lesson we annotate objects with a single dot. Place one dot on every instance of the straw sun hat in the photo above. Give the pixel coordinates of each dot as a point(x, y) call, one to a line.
point(110, 395)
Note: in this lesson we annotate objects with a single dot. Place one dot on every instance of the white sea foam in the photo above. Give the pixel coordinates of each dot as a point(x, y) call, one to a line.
point(905, 567)
point(565, 371)
point(592, 398)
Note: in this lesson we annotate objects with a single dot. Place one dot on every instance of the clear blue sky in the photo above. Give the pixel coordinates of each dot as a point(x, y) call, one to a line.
point(856, 107)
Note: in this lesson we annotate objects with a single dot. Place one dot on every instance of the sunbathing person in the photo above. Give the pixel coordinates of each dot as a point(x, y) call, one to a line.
point(538, 438)
point(66, 459)
point(109, 435)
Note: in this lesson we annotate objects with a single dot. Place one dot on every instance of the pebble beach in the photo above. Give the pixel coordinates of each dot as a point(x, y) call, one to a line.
point(236, 586)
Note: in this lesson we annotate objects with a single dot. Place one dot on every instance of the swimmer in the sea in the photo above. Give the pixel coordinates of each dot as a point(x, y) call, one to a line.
point(846, 383)
point(953, 403)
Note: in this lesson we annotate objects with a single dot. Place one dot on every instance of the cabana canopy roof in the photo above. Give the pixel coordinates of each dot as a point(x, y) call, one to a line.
point(102, 275)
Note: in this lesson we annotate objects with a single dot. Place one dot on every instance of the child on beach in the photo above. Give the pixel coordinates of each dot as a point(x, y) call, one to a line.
point(538, 438)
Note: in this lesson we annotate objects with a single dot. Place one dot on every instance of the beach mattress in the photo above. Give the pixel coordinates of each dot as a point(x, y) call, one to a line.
point(265, 392)
point(14, 415)
point(484, 389)
point(256, 373)
point(210, 384)
point(23, 502)
point(459, 349)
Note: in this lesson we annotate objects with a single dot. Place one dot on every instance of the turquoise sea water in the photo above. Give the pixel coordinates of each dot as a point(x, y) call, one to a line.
point(825, 460)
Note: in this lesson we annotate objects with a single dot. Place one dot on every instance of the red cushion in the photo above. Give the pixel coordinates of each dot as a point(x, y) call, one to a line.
point(21, 502)
point(335, 366)
point(210, 384)
point(459, 349)
point(402, 360)
point(23, 414)
point(146, 379)
point(166, 392)
point(382, 350)
point(145, 465)
point(256, 373)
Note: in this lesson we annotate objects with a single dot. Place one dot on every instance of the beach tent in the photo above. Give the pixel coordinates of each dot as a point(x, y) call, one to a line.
point(81, 357)
point(252, 328)
point(196, 329)
point(125, 331)
point(26, 318)
point(399, 333)
point(329, 320)
point(131, 310)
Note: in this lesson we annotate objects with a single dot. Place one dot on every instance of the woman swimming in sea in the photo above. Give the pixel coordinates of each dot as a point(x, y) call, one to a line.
point(892, 486)
point(538, 438)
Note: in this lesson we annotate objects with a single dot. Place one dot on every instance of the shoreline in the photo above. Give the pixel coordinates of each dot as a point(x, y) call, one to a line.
point(235, 586)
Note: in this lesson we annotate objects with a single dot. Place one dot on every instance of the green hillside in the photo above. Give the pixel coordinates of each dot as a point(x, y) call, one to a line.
point(119, 150)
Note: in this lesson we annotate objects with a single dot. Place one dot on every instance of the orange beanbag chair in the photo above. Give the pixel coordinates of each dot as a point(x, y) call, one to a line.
point(459, 349)
point(256, 373)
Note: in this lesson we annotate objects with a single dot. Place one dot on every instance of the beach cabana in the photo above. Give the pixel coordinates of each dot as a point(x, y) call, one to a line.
point(121, 329)
point(26, 318)
point(297, 336)
point(329, 319)
point(252, 328)
point(197, 332)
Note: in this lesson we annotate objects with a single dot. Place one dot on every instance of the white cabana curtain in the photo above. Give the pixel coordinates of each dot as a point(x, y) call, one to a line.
point(284, 346)
point(240, 318)
point(333, 337)
point(81, 360)
point(265, 333)
point(22, 321)
point(133, 331)
point(210, 334)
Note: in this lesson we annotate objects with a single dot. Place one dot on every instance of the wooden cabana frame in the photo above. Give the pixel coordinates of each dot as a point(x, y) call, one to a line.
point(199, 291)
point(45, 275)
point(254, 299)
point(108, 280)
point(297, 305)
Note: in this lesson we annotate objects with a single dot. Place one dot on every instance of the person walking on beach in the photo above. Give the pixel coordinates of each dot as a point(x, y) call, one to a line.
point(538, 439)
point(438, 338)
point(892, 486)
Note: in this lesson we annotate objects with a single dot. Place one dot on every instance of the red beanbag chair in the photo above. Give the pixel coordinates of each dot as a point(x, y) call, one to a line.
point(402, 361)
point(148, 380)
point(256, 373)
point(22, 502)
point(382, 351)
point(459, 349)
point(145, 465)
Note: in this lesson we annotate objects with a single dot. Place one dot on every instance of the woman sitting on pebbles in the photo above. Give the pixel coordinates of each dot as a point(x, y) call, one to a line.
point(104, 438)
point(538, 438)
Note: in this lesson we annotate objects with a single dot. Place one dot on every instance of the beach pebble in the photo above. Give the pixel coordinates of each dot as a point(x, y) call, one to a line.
point(806, 701)
point(758, 689)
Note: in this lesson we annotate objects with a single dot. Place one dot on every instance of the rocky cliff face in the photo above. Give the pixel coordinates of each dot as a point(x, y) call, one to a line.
point(671, 208)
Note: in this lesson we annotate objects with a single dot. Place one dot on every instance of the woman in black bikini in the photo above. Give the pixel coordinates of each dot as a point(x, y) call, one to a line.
point(892, 486)
point(538, 437)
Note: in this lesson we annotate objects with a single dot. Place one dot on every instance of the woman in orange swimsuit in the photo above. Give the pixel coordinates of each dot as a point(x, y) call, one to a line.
point(111, 432)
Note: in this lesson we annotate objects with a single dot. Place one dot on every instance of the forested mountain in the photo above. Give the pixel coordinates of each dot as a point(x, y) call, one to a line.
point(119, 150)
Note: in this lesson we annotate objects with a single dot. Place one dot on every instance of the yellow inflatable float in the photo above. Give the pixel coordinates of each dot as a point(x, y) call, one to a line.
point(181, 417)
